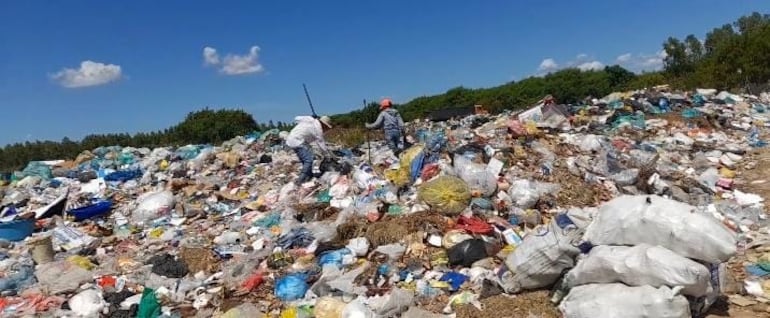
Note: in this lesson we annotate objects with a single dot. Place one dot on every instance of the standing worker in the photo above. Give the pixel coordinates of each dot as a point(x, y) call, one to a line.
point(308, 130)
point(391, 123)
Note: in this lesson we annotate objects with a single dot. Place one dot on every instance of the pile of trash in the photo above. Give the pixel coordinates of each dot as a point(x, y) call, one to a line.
point(630, 205)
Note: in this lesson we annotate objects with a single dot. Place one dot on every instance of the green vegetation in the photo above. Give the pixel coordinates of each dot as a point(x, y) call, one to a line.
point(200, 127)
point(730, 57)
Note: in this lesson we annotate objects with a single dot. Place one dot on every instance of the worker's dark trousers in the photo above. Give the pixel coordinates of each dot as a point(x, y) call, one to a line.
point(305, 155)
point(393, 138)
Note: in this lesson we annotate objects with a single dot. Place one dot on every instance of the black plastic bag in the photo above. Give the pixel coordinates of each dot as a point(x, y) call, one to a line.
point(467, 252)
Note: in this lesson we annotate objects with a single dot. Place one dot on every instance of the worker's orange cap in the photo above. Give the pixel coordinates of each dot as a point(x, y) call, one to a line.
point(385, 103)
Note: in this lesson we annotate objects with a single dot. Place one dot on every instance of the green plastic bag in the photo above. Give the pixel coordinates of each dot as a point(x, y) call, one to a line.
point(149, 307)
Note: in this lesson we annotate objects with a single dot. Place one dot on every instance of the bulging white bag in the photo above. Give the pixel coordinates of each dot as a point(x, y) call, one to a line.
point(638, 266)
point(154, 205)
point(618, 300)
point(634, 220)
point(541, 258)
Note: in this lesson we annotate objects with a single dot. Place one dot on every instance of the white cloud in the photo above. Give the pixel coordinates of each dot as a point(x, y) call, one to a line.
point(581, 56)
point(548, 65)
point(210, 55)
point(233, 64)
point(591, 66)
point(624, 58)
point(643, 62)
point(90, 73)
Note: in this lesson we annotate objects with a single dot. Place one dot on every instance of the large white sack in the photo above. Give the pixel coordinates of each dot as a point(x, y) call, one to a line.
point(618, 300)
point(153, 205)
point(633, 220)
point(638, 266)
point(542, 257)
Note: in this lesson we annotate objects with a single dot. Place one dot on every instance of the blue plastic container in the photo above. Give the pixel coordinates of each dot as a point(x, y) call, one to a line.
point(90, 211)
point(17, 230)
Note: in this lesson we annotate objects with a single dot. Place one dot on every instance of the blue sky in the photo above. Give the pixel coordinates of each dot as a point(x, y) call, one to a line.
point(71, 68)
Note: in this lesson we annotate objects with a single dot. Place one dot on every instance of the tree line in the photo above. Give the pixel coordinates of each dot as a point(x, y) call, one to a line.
point(730, 57)
point(205, 126)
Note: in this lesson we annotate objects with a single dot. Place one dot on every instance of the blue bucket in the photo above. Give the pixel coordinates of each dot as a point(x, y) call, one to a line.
point(17, 230)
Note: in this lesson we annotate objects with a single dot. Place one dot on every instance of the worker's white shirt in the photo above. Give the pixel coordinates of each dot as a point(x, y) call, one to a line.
point(307, 131)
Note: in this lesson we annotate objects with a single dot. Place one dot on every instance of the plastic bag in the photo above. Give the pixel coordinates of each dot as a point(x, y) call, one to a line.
point(478, 178)
point(154, 205)
point(61, 276)
point(390, 305)
point(88, 303)
point(618, 300)
point(526, 193)
point(291, 287)
point(626, 177)
point(329, 307)
point(357, 309)
point(149, 307)
point(447, 194)
point(467, 252)
point(359, 246)
point(542, 256)
point(640, 265)
point(633, 220)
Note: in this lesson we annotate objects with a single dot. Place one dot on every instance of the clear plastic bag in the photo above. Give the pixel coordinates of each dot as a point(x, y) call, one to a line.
point(478, 178)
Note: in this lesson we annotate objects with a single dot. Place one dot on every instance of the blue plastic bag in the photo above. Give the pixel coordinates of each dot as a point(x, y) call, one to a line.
point(291, 287)
point(333, 257)
point(454, 279)
point(123, 176)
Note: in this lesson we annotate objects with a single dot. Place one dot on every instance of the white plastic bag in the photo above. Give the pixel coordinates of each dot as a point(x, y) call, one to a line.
point(88, 303)
point(478, 178)
point(640, 265)
point(357, 309)
point(154, 205)
point(359, 246)
point(541, 258)
point(390, 305)
point(618, 300)
point(526, 193)
point(633, 220)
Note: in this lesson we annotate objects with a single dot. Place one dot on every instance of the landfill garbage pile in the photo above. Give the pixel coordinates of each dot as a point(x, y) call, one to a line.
point(628, 206)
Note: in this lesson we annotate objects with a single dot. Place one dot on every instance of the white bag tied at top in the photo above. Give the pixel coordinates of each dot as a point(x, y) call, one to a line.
point(618, 300)
point(679, 227)
point(638, 266)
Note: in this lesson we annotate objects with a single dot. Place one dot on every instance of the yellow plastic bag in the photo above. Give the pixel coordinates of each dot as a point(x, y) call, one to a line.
point(163, 165)
point(727, 173)
point(82, 262)
point(448, 194)
point(402, 175)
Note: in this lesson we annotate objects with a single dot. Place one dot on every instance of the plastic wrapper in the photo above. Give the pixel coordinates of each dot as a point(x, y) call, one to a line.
point(638, 266)
point(478, 178)
point(618, 300)
point(446, 194)
point(154, 205)
point(633, 220)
